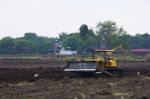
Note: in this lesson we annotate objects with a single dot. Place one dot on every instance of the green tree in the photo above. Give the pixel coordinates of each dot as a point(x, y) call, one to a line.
point(106, 30)
point(126, 41)
point(88, 37)
point(110, 33)
point(72, 41)
point(121, 31)
point(45, 43)
point(31, 37)
point(23, 46)
point(141, 41)
point(84, 32)
point(7, 45)
point(62, 36)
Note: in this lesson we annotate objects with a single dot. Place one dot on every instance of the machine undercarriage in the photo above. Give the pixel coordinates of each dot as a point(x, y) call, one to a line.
point(88, 68)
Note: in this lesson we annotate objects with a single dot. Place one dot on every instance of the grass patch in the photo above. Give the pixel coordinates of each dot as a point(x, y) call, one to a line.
point(70, 57)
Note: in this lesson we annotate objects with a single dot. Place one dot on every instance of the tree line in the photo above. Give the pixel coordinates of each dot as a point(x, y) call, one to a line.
point(105, 35)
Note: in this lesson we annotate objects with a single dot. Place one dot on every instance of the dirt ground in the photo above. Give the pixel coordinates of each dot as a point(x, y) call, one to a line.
point(45, 79)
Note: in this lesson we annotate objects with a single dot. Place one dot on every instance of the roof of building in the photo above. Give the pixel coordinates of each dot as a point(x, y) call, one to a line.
point(140, 50)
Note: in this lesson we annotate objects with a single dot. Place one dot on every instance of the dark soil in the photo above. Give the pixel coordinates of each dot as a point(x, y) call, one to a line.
point(43, 79)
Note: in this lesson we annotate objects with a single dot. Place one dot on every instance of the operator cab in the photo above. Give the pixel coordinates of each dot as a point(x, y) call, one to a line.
point(107, 61)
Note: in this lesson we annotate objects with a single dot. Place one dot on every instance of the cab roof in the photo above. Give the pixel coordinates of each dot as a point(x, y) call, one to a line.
point(100, 50)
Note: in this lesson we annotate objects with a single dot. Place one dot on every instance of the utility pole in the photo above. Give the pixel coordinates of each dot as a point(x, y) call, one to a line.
point(103, 43)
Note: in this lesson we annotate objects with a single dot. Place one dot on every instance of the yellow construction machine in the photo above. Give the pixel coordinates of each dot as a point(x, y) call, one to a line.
point(105, 64)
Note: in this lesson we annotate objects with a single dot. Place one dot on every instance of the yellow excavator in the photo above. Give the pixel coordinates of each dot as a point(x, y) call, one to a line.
point(105, 64)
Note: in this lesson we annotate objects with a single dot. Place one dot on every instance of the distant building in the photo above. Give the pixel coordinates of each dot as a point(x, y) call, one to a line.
point(58, 50)
point(55, 50)
point(140, 51)
point(67, 52)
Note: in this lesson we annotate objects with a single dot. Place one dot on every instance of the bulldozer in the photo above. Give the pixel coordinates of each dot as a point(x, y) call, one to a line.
point(104, 64)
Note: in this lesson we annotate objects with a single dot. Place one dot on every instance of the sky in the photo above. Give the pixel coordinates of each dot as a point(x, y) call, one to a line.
point(51, 17)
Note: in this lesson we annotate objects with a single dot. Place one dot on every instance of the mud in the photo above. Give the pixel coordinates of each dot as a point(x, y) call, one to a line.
point(45, 79)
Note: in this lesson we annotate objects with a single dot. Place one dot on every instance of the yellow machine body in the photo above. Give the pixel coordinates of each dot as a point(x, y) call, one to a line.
point(107, 61)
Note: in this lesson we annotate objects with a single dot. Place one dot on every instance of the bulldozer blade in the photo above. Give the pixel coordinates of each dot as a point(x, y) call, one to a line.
point(79, 70)
point(81, 66)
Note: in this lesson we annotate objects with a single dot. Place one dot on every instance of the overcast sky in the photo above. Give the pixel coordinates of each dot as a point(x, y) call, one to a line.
point(51, 17)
